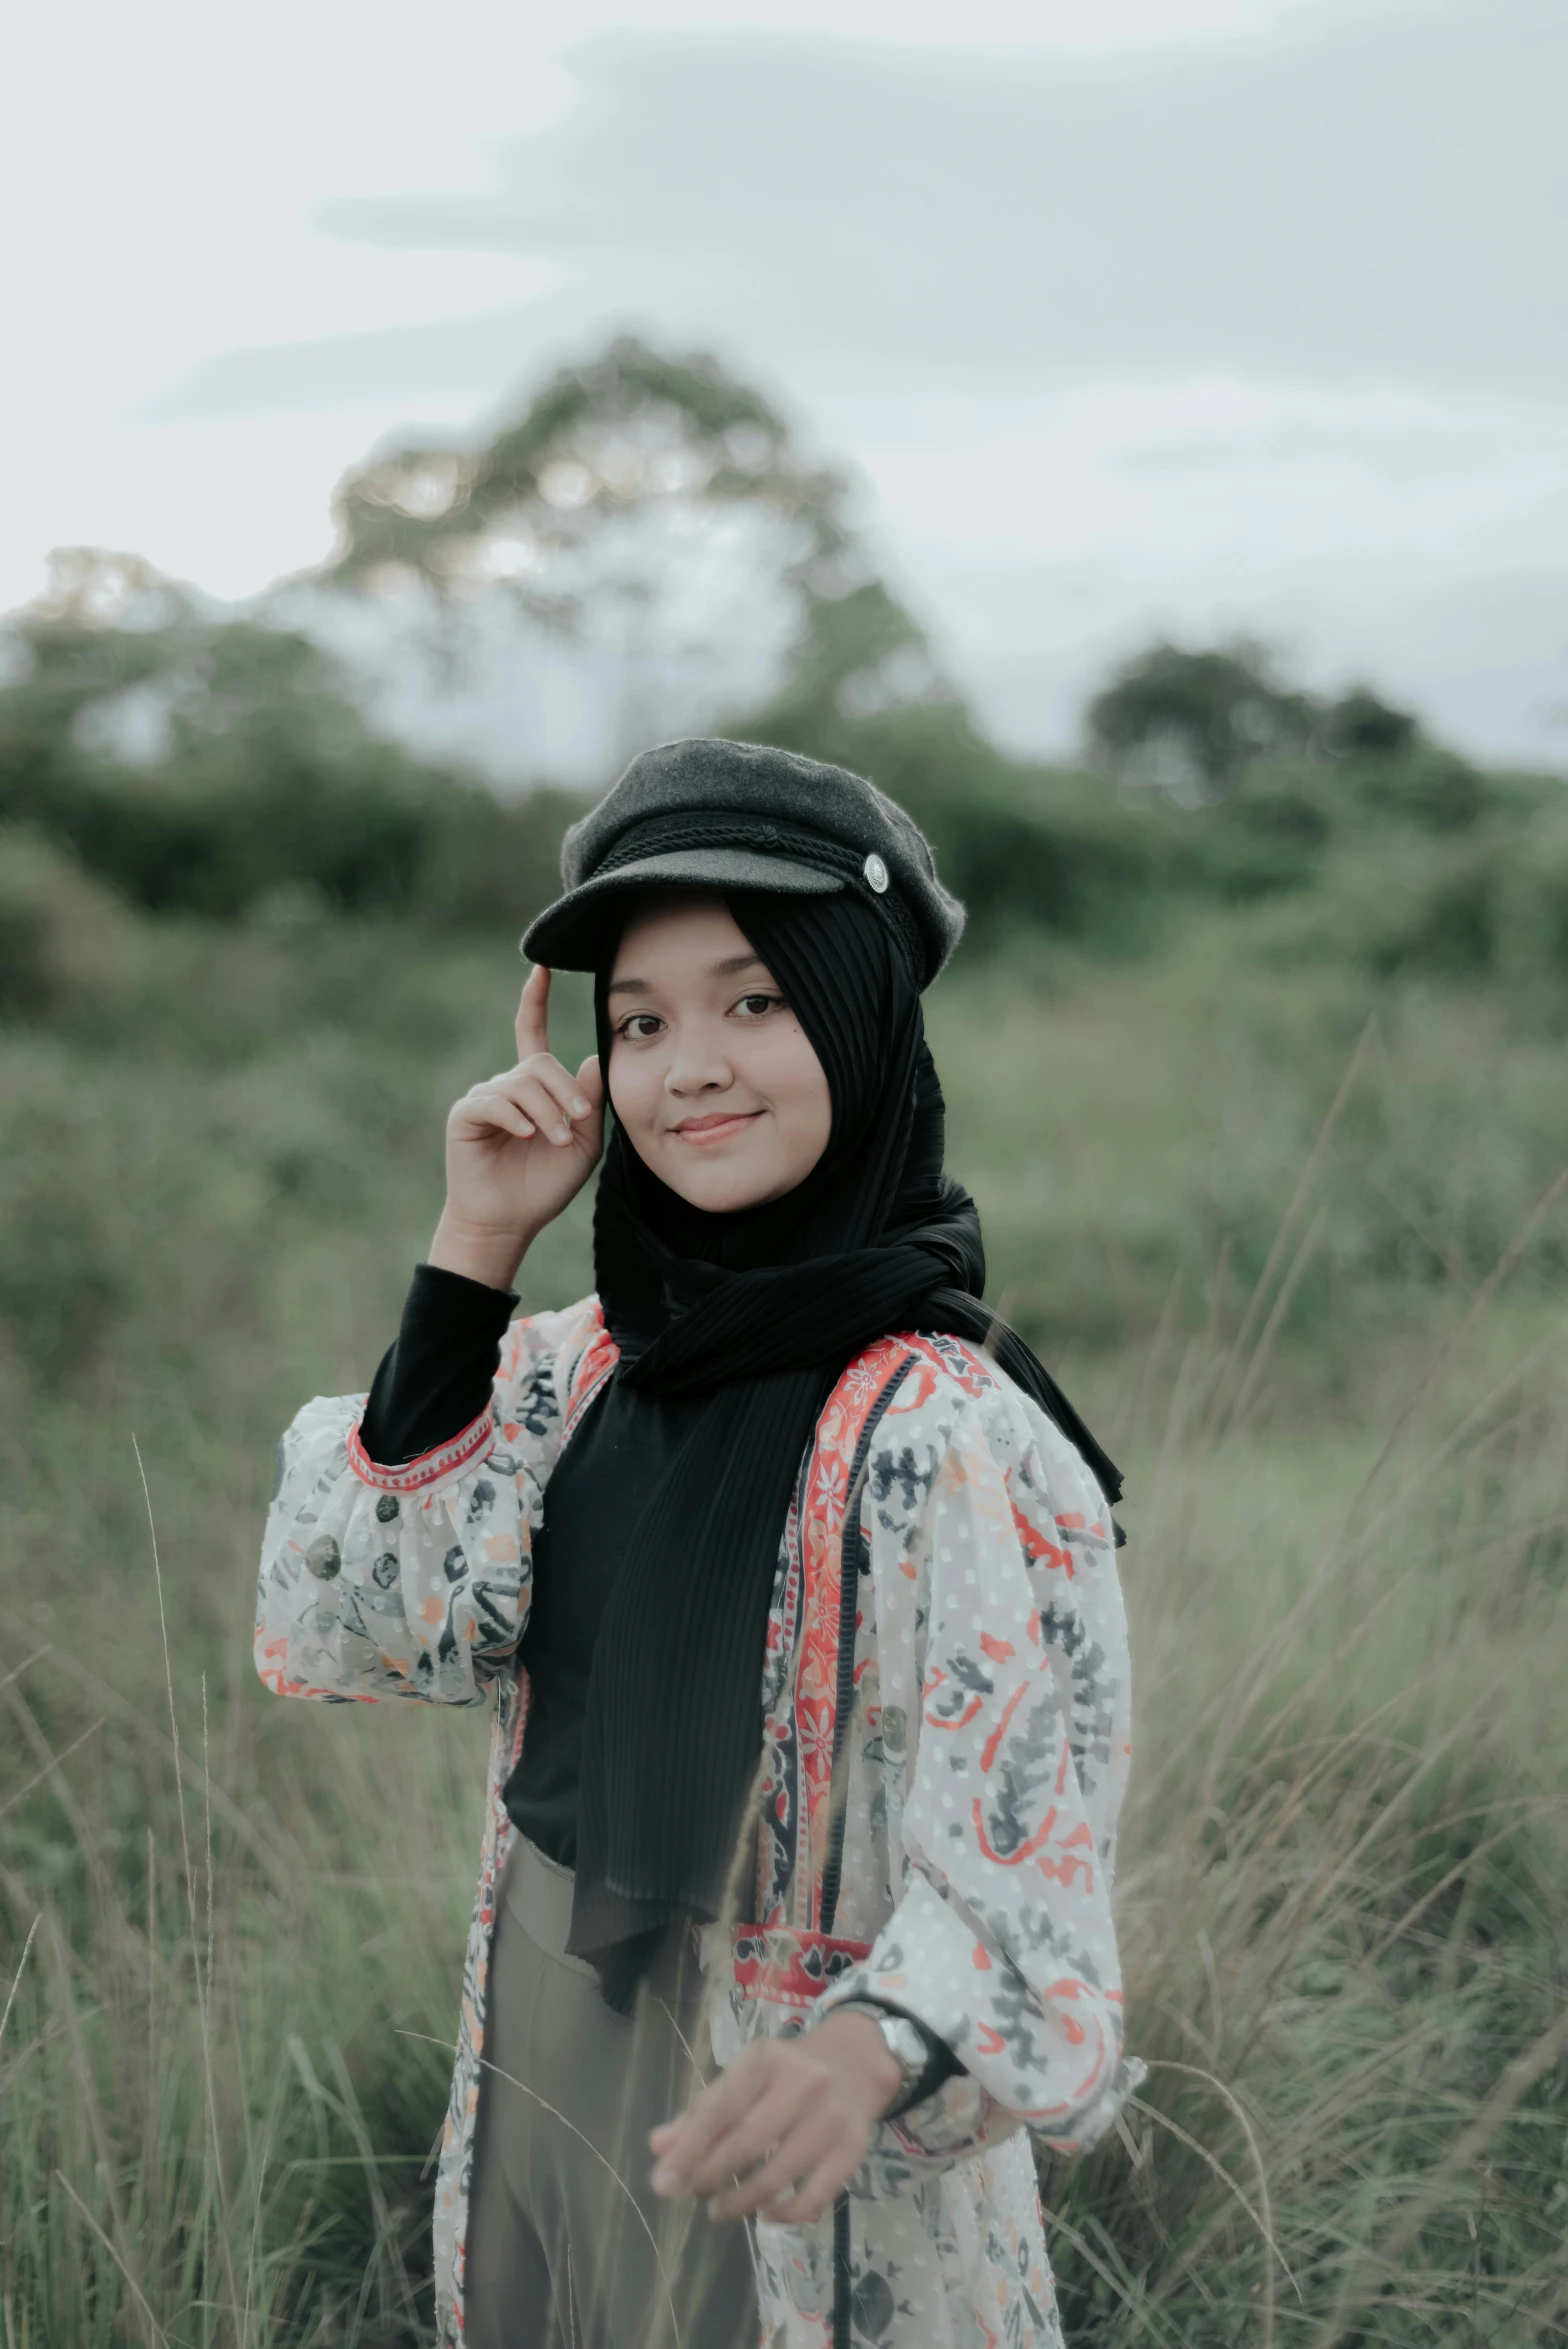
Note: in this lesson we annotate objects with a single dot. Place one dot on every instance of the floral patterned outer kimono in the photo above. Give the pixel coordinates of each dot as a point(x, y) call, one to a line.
point(945, 1697)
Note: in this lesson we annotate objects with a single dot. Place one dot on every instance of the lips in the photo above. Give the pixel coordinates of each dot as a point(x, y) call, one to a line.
point(719, 1126)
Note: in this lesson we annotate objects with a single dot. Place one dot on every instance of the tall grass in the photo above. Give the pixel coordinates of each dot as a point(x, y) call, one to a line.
point(215, 2131)
point(1345, 1900)
point(230, 1930)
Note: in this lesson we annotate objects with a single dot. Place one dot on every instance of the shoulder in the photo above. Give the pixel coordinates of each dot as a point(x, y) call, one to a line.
point(548, 1358)
point(940, 1401)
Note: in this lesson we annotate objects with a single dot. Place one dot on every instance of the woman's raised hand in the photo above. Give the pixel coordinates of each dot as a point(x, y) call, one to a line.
point(519, 1146)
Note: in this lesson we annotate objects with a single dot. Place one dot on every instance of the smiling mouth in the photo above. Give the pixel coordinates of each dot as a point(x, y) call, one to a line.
point(722, 1127)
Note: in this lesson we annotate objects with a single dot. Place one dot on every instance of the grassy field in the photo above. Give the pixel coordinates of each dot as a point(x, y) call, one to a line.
point(1289, 1235)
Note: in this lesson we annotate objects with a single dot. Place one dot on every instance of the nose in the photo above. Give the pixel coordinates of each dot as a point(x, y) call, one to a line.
point(699, 1062)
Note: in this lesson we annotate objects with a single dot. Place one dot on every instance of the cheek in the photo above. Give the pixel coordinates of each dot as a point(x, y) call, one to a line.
point(799, 1091)
point(634, 1086)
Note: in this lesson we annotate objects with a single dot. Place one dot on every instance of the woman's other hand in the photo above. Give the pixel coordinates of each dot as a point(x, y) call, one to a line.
point(519, 1146)
point(785, 2128)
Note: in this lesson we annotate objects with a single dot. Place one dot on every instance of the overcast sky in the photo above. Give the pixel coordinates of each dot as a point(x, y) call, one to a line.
point(1175, 315)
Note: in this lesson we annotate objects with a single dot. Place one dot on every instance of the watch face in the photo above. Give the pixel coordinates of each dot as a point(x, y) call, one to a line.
point(903, 2038)
point(907, 2043)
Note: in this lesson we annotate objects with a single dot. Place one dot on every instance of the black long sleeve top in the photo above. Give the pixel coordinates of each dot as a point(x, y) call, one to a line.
point(433, 1381)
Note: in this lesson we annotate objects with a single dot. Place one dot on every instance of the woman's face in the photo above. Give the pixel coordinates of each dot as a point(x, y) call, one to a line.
point(711, 1074)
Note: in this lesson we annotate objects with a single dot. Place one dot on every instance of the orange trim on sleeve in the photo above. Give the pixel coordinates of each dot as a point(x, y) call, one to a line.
point(430, 1467)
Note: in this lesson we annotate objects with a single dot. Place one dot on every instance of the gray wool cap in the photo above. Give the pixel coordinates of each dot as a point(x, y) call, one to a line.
point(708, 814)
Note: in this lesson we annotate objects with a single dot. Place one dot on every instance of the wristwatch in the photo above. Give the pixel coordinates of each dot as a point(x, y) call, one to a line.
point(923, 2060)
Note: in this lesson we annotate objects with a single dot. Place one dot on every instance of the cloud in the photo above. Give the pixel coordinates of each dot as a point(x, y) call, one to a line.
point(423, 360)
point(1266, 332)
point(1355, 200)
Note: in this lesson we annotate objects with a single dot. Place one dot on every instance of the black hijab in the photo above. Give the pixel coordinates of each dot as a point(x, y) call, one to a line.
point(759, 1312)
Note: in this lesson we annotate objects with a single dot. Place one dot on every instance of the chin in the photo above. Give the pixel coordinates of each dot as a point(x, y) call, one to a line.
point(721, 1198)
point(719, 1190)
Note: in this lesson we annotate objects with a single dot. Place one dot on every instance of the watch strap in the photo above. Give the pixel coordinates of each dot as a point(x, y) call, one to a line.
point(924, 2060)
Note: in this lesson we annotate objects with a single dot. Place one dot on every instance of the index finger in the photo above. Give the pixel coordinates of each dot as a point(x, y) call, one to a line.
point(532, 1028)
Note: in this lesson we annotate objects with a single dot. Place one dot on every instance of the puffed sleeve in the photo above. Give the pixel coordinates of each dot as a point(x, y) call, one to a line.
point(997, 1596)
point(412, 1580)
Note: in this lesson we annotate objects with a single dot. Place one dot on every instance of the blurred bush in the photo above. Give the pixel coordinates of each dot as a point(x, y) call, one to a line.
point(65, 939)
point(204, 765)
point(261, 789)
point(209, 766)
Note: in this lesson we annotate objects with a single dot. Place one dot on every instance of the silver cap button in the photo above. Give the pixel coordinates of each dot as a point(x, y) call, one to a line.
point(876, 873)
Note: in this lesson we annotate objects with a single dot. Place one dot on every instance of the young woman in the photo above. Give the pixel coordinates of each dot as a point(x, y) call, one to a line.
point(798, 1572)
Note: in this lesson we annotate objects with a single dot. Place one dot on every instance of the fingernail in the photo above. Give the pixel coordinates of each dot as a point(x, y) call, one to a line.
point(523, 1126)
point(663, 2178)
point(579, 1106)
point(563, 1133)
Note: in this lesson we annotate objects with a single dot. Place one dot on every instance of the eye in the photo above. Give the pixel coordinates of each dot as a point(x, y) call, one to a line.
point(638, 1026)
point(757, 1007)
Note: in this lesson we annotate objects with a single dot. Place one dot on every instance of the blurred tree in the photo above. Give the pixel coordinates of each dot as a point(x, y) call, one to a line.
point(543, 509)
point(596, 441)
point(1362, 725)
point(1188, 723)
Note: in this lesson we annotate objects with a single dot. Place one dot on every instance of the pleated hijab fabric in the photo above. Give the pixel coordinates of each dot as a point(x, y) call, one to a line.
point(758, 1312)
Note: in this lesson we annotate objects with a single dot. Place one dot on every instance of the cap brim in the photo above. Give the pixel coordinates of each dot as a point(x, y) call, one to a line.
point(570, 935)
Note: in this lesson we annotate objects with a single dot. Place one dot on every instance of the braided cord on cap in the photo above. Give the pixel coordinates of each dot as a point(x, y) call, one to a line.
point(669, 835)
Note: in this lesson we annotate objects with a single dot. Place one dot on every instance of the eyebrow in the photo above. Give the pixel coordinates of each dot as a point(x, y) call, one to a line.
point(716, 970)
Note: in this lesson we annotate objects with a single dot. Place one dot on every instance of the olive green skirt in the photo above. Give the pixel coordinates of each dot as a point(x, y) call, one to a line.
point(568, 2245)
